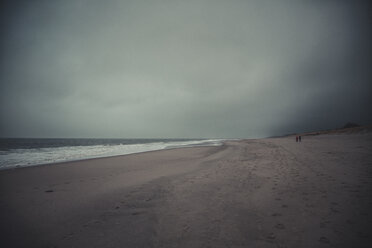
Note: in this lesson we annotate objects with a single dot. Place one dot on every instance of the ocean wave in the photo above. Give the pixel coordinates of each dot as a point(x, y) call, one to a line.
point(13, 158)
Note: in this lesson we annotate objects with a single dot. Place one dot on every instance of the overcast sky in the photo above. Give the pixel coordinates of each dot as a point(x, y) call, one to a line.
point(167, 69)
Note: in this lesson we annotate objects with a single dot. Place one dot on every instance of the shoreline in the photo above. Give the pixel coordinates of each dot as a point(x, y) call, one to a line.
point(109, 156)
point(248, 193)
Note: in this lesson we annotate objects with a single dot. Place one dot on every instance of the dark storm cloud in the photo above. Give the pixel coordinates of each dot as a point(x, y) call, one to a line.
point(183, 68)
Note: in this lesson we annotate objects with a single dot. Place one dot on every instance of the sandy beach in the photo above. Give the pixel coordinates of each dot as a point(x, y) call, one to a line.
point(250, 193)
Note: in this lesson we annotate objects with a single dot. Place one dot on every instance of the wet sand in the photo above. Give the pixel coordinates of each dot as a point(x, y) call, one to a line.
point(251, 193)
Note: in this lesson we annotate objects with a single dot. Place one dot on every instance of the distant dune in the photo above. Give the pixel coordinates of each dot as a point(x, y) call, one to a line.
point(347, 130)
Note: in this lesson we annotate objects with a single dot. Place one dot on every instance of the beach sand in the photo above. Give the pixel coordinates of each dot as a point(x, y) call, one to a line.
point(250, 193)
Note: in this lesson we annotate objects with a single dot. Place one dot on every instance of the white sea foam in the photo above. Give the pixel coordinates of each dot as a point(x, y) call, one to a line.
point(37, 156)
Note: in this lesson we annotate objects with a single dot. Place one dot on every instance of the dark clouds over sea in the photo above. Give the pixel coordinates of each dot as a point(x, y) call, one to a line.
point(166, 69)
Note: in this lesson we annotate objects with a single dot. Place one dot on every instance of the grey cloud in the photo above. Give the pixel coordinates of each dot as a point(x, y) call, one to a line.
point(183, 68)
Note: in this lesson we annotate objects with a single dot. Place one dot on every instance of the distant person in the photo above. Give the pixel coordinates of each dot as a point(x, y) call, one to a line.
point(299, 138)
point(296, 138)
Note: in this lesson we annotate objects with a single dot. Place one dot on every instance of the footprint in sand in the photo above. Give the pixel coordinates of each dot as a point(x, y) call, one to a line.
point(186, 228)
point(279, 226)
point(271, 236)
point(333, 210)
point(362, 235)
point(350, 222)
point(324, 240)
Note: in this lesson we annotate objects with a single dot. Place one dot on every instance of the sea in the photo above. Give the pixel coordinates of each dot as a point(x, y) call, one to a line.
point(19, 152)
